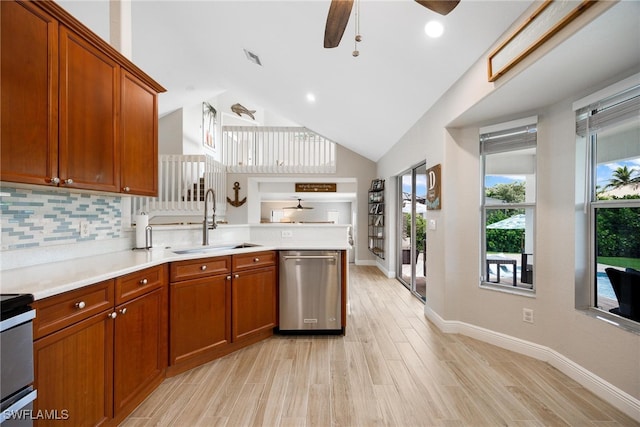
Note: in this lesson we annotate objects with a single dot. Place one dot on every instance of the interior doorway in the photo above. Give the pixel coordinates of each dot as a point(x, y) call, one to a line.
point(411, 240)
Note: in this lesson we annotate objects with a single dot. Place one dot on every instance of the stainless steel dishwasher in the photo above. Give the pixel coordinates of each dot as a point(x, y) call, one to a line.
point(310, 292)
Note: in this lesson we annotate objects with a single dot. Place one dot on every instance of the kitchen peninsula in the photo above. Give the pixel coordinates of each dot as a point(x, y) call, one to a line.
point(127, 319)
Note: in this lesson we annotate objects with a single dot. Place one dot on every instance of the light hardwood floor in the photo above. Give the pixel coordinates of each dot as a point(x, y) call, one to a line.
point(391, 368)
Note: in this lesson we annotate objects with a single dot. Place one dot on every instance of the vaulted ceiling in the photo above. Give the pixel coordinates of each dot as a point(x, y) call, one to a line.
point(365, 103)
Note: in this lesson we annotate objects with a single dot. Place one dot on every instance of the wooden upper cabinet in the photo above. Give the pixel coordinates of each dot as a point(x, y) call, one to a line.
point(89, 98)
point(139, 137)
point(75, 112)
point(29, 84)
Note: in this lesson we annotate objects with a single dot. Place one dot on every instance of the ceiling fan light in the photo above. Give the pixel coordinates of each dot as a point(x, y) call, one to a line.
point(434, 29)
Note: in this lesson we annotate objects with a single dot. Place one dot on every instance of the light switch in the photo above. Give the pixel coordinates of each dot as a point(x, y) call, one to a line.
point(432, 224)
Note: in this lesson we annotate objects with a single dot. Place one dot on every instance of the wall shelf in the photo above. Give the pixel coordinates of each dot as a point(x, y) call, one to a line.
point(376, 232)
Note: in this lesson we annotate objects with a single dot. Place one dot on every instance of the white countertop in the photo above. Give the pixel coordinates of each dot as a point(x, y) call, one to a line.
point(44, 280)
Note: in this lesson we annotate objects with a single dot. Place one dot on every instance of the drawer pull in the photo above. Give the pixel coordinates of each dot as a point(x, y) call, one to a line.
point(68, 181)
point(203, 268)
point(112, 315)
point(126, 189)
point(123, 310)
point(236, 276)
point(228, 277)
point(80, 305)
point(143, 282)
point(256, 260)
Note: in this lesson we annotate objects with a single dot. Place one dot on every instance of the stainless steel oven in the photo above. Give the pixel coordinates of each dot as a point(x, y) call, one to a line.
point(16, 351)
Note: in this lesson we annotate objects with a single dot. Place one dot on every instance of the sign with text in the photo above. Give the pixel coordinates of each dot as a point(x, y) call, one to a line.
point(434, 198)
point(311, 187)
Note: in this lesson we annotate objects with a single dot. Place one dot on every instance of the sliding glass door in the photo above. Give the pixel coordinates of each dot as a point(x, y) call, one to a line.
point(411, 243)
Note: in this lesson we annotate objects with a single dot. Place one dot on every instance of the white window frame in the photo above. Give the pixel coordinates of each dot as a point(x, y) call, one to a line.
point(508, 132)
point(586, 257)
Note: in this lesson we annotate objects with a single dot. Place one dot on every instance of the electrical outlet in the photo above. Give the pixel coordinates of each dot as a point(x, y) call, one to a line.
point(527, 315)
point(84, 228)
point(286, 233)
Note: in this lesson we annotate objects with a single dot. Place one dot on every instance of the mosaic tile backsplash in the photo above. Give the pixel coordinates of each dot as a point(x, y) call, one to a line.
point(40, 218)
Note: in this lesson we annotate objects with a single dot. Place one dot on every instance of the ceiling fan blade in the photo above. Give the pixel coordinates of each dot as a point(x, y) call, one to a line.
point(442, 7)
point(299, 207)
point(337, 20)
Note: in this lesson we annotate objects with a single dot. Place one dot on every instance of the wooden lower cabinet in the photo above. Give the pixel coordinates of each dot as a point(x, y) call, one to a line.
point(200, 317)
point(253, 302)
point(140, 349)
point(219, 305)
point(74, 373)
point(93, 367)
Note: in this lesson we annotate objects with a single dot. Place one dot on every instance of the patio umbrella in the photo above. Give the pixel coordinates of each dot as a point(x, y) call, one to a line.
point(420, 208)
point(515, 222)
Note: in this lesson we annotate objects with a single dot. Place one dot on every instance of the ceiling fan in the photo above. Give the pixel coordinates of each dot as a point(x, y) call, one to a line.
point(340, 10)
point(299, 207)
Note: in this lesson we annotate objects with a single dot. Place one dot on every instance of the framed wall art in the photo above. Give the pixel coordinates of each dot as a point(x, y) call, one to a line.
point(209, 125)
point(544, 23)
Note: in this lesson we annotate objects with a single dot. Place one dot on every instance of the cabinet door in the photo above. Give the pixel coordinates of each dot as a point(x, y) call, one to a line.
point(29, 102)
point(139, 137)
point(89, 98)
point(140, 354)
point(74, 373)
point(199, 317)
point(253, 302)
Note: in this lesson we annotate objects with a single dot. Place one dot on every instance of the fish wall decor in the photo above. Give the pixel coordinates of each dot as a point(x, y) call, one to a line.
point(240, 109)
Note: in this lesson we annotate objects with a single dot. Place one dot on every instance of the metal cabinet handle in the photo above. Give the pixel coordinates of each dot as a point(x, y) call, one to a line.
point(143, 282)
point(203, 268)
point(126, 189)
point(235, 276)
point(112, 315)
point(256, 260)
point(80, 305)
point(54, 180)
point(286, 257)
point(228, 277)
point(123, 310)
point(68, 181)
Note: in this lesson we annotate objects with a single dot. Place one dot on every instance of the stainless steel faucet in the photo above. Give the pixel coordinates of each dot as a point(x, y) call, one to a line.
point(206, 226)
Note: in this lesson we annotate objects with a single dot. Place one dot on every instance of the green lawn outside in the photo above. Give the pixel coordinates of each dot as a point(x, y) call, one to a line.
point(620, 262)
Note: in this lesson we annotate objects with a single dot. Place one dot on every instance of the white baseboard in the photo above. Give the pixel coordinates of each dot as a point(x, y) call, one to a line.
point(601, 388)
point(366, 262)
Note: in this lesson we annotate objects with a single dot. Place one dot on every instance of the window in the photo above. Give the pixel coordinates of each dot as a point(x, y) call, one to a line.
point(609, 132)
point(508, 154)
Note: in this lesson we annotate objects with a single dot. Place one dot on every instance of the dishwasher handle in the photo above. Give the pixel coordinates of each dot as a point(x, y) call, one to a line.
point(333, 257)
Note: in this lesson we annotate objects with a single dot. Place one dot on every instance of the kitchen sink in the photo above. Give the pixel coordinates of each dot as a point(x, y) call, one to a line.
point(217, 248)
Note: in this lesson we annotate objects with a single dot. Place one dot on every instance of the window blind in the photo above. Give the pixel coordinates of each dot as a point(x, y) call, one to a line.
point(608, 112)
point(509, 139)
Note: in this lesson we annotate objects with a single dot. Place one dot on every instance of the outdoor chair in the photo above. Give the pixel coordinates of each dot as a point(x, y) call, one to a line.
point(526, 269)
point(626, 285)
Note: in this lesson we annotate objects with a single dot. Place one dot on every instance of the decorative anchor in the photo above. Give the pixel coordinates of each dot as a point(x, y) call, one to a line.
point(236, 203)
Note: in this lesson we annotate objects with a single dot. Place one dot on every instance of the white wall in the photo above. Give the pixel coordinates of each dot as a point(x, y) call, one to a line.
point(453, 260)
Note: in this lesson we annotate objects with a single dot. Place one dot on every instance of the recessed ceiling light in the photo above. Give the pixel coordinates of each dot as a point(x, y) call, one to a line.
point(252, 57)
point(434, 29)
point(311, 97)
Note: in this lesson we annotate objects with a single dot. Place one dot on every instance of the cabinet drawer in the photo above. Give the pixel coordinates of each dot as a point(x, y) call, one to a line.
point(192, 269)
point(253, 260)
point(60, 311)
point(139, 283)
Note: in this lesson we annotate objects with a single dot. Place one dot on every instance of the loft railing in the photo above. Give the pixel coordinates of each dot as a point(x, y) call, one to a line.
point(182, 182)
point(253, 149)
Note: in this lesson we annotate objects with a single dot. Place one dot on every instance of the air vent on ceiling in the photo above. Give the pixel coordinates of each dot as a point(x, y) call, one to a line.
point(252, 57)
